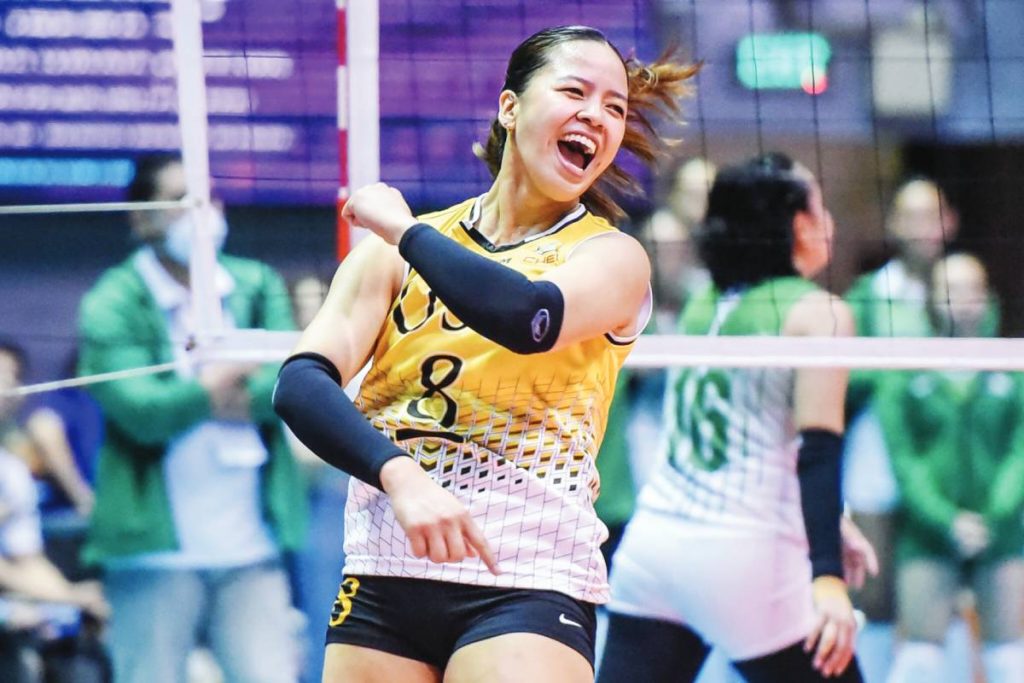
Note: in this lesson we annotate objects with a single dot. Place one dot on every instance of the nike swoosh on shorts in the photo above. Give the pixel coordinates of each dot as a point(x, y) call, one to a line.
point(562, 619)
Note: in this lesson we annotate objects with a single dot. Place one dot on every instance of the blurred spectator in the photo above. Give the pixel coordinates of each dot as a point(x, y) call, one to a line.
point(37, 602)
point(957, 445)
point(68, 425)
point(38, 434)
point(318, 563)
point(618, 492)
point(888, 302)
point(668, 235)
point(197, 494)
point(308, 292)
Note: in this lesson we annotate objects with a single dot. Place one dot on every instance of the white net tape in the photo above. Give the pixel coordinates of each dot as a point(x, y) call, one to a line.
point(658, 351)
point(652, 351)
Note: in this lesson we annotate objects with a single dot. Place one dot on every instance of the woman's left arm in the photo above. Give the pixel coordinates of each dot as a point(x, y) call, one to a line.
point(819, 396)
point(820, 393)
point(605, 283)
point(600, 288)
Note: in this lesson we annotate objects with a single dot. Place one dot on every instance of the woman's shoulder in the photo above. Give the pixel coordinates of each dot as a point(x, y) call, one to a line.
point(818, 312)
point(448, 216)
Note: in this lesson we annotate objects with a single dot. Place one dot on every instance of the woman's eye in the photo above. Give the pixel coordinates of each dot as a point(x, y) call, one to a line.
point(575, 92)
point(619, 111)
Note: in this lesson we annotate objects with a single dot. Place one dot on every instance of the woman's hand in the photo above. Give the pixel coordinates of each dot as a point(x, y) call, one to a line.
point(859, 557)
point(438, 525)
point(836, 628)
point(381, 209)
point(970, 534)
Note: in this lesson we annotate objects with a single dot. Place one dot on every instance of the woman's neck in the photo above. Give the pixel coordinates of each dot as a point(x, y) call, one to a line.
point(513, 210)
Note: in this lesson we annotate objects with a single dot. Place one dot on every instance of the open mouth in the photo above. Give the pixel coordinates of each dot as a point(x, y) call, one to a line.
point(577, 150)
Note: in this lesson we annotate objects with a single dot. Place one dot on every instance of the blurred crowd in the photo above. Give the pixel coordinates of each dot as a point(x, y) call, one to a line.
point(167, 527)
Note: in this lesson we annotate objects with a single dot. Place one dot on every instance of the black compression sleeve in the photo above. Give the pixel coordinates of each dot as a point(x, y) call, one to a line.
point(493, 300)
point(819, 466)
point(308, 398)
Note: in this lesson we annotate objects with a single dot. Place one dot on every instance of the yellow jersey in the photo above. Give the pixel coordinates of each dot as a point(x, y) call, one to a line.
point(513, 437)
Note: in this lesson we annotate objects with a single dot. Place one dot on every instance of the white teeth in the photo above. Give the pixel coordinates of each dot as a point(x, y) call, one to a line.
point(587, 143)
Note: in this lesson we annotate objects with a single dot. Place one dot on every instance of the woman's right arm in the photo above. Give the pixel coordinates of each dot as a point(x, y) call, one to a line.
point(308, 396)
point(334, 346)
point(357, 304)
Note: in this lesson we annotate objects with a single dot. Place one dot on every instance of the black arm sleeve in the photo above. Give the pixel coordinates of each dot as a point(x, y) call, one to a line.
point(493, 300)
point(309, 398)
point(819, 466)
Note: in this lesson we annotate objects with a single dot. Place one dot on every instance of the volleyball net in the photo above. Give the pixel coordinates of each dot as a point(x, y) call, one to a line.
point(279, 108)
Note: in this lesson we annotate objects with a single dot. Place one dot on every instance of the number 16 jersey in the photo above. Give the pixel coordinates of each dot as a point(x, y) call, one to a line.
point(513, 437)
point(729, 463)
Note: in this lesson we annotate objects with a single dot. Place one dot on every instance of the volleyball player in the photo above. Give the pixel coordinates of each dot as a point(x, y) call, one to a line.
point(736, 541)
point(496, 330)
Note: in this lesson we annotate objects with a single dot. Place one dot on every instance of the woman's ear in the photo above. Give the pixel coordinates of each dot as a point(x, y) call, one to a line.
point(508, 108)
point(803, 227)
point(803, 240)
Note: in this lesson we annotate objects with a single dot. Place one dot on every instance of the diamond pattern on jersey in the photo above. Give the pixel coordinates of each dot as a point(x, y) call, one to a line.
point(513, 437)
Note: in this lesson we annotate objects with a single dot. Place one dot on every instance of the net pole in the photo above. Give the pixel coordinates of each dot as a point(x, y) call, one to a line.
point(344, 241)
point(358, 126)
point(187, 31)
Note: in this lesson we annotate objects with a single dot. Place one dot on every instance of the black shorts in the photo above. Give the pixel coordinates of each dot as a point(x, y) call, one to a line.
point(429, 620)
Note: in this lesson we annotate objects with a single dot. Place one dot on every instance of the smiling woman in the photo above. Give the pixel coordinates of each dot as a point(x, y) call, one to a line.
point(495, 329)
point(623, 94)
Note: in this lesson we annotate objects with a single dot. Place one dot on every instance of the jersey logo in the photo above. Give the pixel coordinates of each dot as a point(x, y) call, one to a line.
point(562, 619)
point(343, 603)
point(547, 253)
point(541, 324)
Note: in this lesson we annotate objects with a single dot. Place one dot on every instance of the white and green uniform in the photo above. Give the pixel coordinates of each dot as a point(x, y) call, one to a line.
point(718, 541)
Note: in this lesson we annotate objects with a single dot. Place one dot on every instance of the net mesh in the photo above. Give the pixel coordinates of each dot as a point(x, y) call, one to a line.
point(863, 92)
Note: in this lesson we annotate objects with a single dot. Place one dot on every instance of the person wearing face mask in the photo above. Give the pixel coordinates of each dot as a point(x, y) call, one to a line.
point(956, 440)
point(197, 494)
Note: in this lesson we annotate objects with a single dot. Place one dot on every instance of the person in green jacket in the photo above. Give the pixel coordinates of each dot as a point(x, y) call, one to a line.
point(197, 494)
point(888, 302)
point(956, 440)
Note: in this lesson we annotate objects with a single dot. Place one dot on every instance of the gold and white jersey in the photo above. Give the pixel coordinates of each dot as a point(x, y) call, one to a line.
point(513, 437)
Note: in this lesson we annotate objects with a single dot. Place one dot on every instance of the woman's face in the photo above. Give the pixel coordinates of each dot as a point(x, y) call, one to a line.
point(922, 222)
point(307, 298)
point(568, 124)
point(960, 295)
point(813, 244)
point(10, 371)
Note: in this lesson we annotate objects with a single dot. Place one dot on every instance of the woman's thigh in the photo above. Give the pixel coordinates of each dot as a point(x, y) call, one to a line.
point(650, 650)
point(926, 591)
point(517, 657)
point(345, 663)
point(999, 590)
